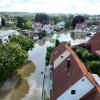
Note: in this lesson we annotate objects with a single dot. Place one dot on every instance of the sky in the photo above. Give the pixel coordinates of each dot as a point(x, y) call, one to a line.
point(51, 6)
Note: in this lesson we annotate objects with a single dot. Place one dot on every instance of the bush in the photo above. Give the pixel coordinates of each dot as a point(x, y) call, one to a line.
point(48, 55)
point(95, 67)
point(57, 42)
point(86, 55)
point(80, 51)
point(47, 62)
point(49, 49)
point(95, 56)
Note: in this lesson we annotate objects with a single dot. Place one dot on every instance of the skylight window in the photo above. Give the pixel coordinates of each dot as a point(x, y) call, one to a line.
point(73, 92)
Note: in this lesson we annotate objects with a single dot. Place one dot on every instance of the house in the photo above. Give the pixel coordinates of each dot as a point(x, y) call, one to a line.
point(80, 27)
point(47, 28)
point(70, 78)
point(95, 42)
point(36, 25)
point(31, 34)
point(60, 25)
point(6, 35)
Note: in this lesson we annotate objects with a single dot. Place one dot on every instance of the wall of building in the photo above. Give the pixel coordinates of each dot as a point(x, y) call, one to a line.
point(5, 38)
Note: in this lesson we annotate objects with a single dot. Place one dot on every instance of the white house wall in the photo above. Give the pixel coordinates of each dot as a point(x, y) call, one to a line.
point(61, 58)
point(82, 87)
point(6, 37)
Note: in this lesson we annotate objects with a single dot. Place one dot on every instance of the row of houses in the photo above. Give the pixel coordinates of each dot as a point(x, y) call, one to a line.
point(48, 28)
point(70, 78)
point(38, 27)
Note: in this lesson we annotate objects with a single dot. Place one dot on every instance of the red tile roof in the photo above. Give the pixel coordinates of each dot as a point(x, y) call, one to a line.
point(95, 42)
point(63, 77)
point(98, 52)
point(92, 95)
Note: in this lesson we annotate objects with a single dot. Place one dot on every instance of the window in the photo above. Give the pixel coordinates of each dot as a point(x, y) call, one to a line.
point(73, 92)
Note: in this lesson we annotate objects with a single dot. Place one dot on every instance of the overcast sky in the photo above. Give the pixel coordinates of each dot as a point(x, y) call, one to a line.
point(51, 6)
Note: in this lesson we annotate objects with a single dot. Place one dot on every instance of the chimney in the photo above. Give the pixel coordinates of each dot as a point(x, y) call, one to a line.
point(68, 62)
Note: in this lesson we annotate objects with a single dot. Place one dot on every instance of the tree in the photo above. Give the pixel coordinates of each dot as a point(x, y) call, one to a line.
point(95, 67)
point(68, 22)
point(57, 19)
point(28, 24)
point(2, 21)
point(25, 42)
point(42, 34)
point(42, 18)
point(80, 51)
point(57, 42)
point(77, 19)
point(86, 56)
point(20, 22)
point(11, 57)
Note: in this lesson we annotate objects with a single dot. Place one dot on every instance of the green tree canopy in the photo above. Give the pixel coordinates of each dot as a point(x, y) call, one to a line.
point(11, 57)
point(57, 42)
point(25, 42)
point(86, 55)
point(95, 67)
point(42, 18)
point(20, 22)
point(77, 19)
point(28, 24)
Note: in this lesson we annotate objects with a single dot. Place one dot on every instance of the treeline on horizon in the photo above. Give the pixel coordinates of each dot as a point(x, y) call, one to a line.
point(26, 19)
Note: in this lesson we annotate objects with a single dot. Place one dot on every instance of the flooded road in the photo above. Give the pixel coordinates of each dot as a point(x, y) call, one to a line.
point(37, 56)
